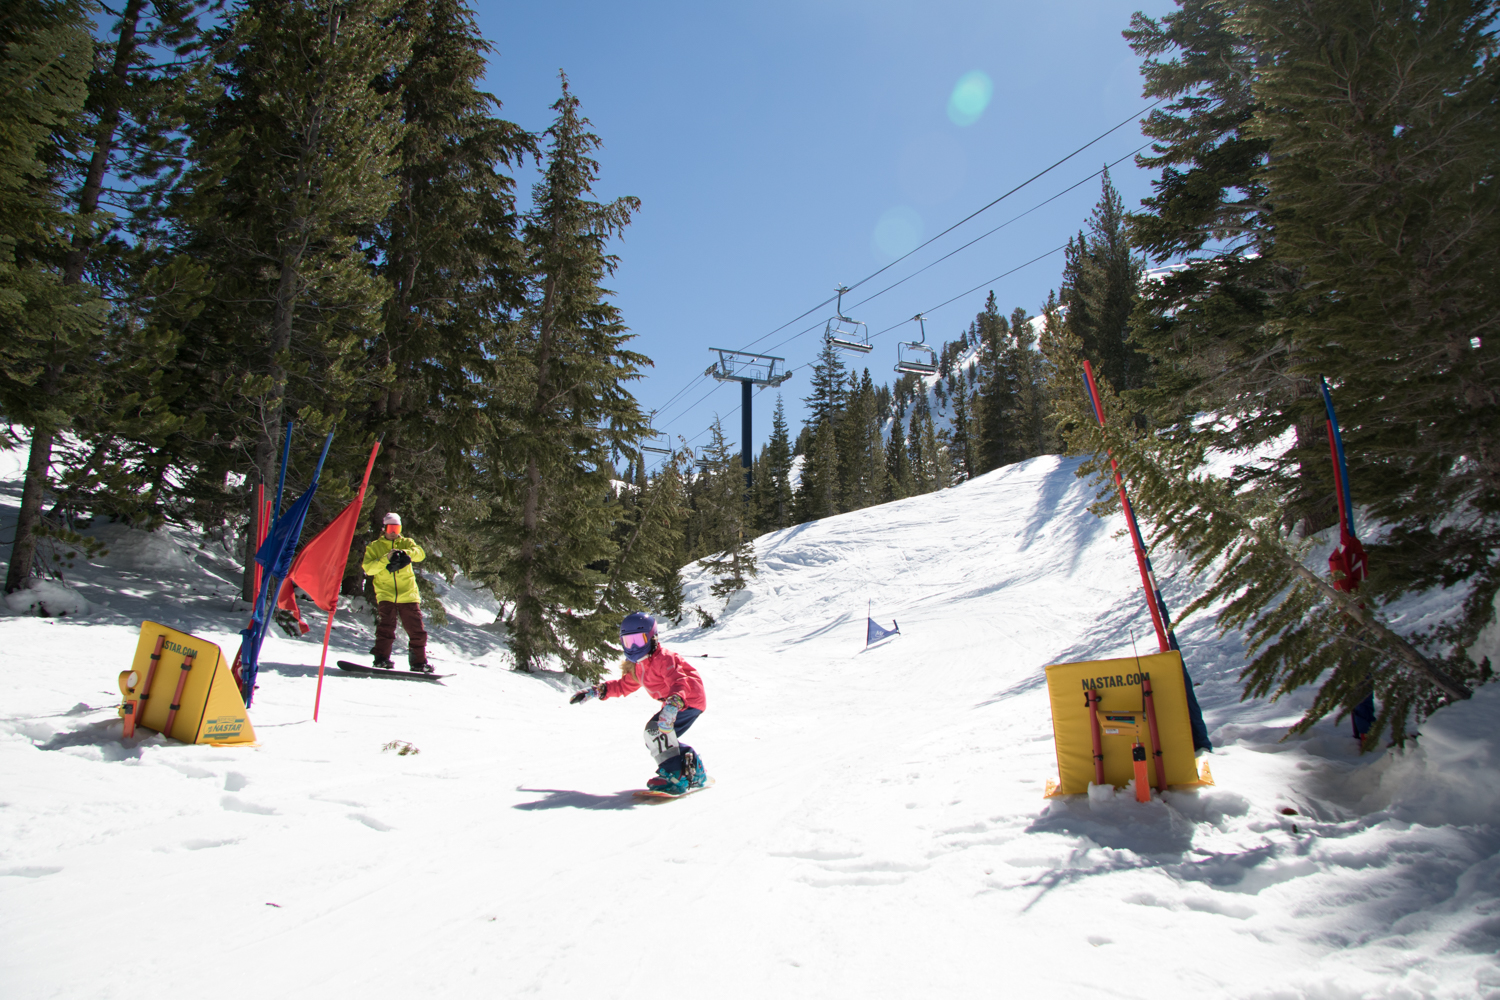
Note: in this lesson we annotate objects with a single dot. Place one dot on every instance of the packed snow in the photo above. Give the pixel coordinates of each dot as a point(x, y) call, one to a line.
point(877, 828)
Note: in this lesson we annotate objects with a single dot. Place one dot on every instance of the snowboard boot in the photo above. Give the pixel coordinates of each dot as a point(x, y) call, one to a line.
point(421, 668)
point(692, 769)
point(667, 783)
point(384, 663)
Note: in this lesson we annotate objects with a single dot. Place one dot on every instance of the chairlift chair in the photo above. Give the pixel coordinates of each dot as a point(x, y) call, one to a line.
point(651, 441)
point(916, 357)
point(844, 333)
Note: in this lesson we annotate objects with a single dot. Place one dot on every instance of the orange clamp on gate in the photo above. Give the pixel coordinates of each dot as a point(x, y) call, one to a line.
point(1092, 697)
point(1150, 700)
point(182, 679)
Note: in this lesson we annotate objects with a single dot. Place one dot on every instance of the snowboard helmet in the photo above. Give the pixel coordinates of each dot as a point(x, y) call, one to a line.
point(638, 636)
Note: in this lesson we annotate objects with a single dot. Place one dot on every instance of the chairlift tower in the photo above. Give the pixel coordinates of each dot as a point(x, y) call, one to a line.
point(749, 370)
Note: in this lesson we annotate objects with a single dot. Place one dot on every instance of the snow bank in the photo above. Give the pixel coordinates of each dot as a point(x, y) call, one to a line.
point(142, 551)
point(1451, 775)
point(47, 598)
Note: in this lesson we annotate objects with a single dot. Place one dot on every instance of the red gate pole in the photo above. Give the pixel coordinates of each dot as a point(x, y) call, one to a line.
point(1153, 597)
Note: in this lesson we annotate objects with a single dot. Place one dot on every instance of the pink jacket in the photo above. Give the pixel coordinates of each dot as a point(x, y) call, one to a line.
point(662, 674)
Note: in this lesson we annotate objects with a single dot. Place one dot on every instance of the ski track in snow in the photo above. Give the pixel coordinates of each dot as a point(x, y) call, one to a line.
point(877, 827)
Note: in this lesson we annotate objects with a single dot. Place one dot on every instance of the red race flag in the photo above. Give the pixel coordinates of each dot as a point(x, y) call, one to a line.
point(319, 570)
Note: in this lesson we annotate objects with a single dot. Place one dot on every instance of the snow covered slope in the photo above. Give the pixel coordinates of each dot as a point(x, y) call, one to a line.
point(877, 829)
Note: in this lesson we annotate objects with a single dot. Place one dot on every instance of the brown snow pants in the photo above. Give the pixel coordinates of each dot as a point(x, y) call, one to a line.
point(410, 613)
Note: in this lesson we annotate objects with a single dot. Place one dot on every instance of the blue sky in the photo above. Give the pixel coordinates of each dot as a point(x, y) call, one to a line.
point(781, 148)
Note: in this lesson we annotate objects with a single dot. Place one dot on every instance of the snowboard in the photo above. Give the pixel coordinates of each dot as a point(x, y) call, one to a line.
point(410, 675)
point(653, 796)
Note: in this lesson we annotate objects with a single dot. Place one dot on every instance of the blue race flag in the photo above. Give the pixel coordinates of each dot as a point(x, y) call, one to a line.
point(275, 554)
point(874, 633)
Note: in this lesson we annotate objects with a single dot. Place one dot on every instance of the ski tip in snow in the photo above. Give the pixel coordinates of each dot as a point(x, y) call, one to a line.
point(654, 796)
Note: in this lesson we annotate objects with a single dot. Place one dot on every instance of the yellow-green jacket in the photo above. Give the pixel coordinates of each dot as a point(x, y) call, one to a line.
point(400, 586)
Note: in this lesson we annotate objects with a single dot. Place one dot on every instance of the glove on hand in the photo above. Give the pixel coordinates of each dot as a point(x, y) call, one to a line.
point(398, 560)
point(667, 721)
point(579, 697)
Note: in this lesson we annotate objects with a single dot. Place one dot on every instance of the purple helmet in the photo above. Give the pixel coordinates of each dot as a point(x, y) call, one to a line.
point(638, 636)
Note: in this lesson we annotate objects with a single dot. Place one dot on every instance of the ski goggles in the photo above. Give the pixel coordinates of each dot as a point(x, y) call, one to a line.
point(635, 640)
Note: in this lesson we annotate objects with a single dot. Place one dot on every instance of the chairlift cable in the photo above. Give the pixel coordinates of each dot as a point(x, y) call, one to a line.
point(1002, 225)
point(1012, 191)
point(694, 381)
point(966, 218)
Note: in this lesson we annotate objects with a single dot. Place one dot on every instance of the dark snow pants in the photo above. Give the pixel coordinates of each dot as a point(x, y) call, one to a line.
point(410, 613)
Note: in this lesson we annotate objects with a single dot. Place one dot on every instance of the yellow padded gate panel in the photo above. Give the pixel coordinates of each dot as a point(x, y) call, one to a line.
point(1122, 719)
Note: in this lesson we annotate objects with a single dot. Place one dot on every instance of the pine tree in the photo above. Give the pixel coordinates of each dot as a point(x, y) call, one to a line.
point(725, 545)
point(294, 169)
point(1385, 128)
point(996, 392)
point(828, 387)
point(572, 358)
point(776, 475)
point(898, 475)
point(448, 250)
point(962, 447)
point(1101, 278)
point(818, 492)
point(52, 326)
point(860, 478)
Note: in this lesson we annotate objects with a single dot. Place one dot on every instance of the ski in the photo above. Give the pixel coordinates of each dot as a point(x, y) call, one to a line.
point(654, 796)
point(409, 675)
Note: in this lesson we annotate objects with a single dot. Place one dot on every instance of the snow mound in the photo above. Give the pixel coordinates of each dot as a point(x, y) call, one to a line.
point(1452, 775)
point(47, 598)
point(144, 551)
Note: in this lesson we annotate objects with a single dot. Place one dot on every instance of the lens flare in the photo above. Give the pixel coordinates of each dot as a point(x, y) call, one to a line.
point(971, 95)
point(899, 230)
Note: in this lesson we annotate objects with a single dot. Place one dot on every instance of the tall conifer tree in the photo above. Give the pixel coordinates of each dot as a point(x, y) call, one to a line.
point(571, 356)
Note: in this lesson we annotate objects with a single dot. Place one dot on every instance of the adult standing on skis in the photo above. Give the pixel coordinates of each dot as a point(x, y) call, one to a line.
point(671, 680)
point(388, 560)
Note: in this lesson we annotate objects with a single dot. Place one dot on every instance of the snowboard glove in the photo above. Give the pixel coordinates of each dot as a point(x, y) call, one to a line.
point(667, 721)
point(579, 697)
point(398, 560)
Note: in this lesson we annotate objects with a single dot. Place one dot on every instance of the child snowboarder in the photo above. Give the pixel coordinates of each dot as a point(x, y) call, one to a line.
point(671, 680)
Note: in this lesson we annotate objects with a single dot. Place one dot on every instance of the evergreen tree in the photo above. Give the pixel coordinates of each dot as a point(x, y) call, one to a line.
point(294, 169)
point(571, 353)
point(996, 392)
point(962, 446)
point(448, 251)
point(725, 545)
point(52, 327)
point(898, 476)
point(1385, 127)
point(1101, 281)
point(1330, 151)
point(818, 492)
point(861, 448)
point(776, 474)
point(828, 390)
